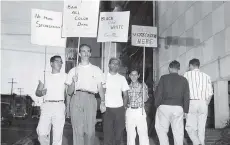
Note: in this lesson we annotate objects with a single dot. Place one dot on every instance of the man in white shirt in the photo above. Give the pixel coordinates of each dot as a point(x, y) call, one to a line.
point(84, 81)
point(53, 108)
point(114, 117)
point(201, 92)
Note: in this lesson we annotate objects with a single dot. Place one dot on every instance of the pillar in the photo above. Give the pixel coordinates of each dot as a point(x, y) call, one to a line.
point(221, 107)
point(109, 50)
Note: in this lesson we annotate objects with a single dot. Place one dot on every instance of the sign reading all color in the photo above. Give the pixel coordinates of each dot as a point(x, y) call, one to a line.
point(80, 18)
point(144, 36)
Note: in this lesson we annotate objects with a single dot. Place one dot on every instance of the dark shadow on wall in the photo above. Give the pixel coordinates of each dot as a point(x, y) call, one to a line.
point(179, 41)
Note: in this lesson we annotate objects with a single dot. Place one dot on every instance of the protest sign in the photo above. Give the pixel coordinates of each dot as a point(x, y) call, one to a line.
point(144, 36)
point(46, 28)
point(80, 18)
point(113, 26)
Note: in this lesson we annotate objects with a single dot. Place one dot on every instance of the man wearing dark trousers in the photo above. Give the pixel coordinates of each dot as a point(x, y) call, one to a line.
point(114, 117)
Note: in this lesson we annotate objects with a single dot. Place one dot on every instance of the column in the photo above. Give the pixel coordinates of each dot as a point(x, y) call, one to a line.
point(110, 50)
point(221, 107)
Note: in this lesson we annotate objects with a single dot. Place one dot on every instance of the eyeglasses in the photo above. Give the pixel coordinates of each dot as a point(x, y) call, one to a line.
point(61, 62)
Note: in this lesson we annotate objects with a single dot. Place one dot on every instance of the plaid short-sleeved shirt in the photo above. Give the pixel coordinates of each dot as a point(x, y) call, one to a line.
point(135, 94)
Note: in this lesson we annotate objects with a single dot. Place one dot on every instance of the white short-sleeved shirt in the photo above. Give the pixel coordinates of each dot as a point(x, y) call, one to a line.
point(89, 76)
point(55, 85)
point(115, 85)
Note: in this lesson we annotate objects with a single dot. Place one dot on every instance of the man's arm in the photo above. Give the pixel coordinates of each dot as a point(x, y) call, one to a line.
point(40, 90)
point(70, 89)
point(210, 90)
point(125, 98)
point(101, 92)
point(159, 93)
point(146, 96)
point(125, 88)
point(186, 96)
point(67, 96)
point(71, 81)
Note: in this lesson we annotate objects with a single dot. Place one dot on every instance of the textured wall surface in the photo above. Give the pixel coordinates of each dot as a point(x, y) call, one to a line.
point(195, 29)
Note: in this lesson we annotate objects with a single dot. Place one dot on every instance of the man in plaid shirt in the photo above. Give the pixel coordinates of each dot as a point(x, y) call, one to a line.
point(135, 113)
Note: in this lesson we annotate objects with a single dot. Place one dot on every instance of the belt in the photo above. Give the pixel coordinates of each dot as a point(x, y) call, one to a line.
point(135, 107)
point(86, 91)
point(54, 101)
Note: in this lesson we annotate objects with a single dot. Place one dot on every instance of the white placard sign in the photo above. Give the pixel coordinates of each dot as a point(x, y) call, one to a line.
point(113, 27)
point(144, 36)
point(46, 28)
point(80, 18)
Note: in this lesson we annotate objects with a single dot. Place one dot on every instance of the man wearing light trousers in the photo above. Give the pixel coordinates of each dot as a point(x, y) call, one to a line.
point(172, 103)
point(53, 106)
point(201, 92)
point(84, 81)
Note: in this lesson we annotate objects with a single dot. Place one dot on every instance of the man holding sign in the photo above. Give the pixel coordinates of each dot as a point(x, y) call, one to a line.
point(84, 81)
point(135, 115)
point(52, 92)
point(116, 100)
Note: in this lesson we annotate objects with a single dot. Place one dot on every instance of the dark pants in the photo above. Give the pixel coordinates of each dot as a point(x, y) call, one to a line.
point(114, 125)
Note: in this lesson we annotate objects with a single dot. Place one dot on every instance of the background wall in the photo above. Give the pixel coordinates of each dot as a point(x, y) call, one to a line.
point(190, 29)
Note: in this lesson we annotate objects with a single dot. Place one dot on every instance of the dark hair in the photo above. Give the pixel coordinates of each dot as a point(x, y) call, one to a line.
point(54, 57)
point(114, 58)
point(174, 64)
point(134, 69)
point(194, 62)
point(138, 72)
point(85, 45)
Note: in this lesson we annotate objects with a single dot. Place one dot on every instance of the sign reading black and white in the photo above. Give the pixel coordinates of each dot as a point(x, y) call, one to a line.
point(113, 26)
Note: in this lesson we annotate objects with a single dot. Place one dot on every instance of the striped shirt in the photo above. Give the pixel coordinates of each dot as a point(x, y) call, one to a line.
point(200, 85)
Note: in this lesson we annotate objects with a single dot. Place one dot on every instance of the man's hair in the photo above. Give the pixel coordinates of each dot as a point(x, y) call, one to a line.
point(85, 45)
point(194, 62)
point(138, 72)
point(114, 58)
point(54, 57)
point(134, 69)
point(174, 64)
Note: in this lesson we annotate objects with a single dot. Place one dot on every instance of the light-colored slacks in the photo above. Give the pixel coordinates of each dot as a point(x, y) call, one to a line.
point(68, 98)
point(83, 108)
point(196, 121)
point(167, 115)
point(52, 113)
point(135, 119)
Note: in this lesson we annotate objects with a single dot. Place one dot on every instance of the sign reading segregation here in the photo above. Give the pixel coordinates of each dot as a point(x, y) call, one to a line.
point(144, 36)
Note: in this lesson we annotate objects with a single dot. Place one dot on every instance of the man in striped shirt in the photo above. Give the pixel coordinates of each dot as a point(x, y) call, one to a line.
point(200, 95)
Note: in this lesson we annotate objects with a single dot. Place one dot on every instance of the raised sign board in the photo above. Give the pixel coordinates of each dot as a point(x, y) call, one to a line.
point(113, 27)
point(46, 28)
point(144, 36)
point(80, 18)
